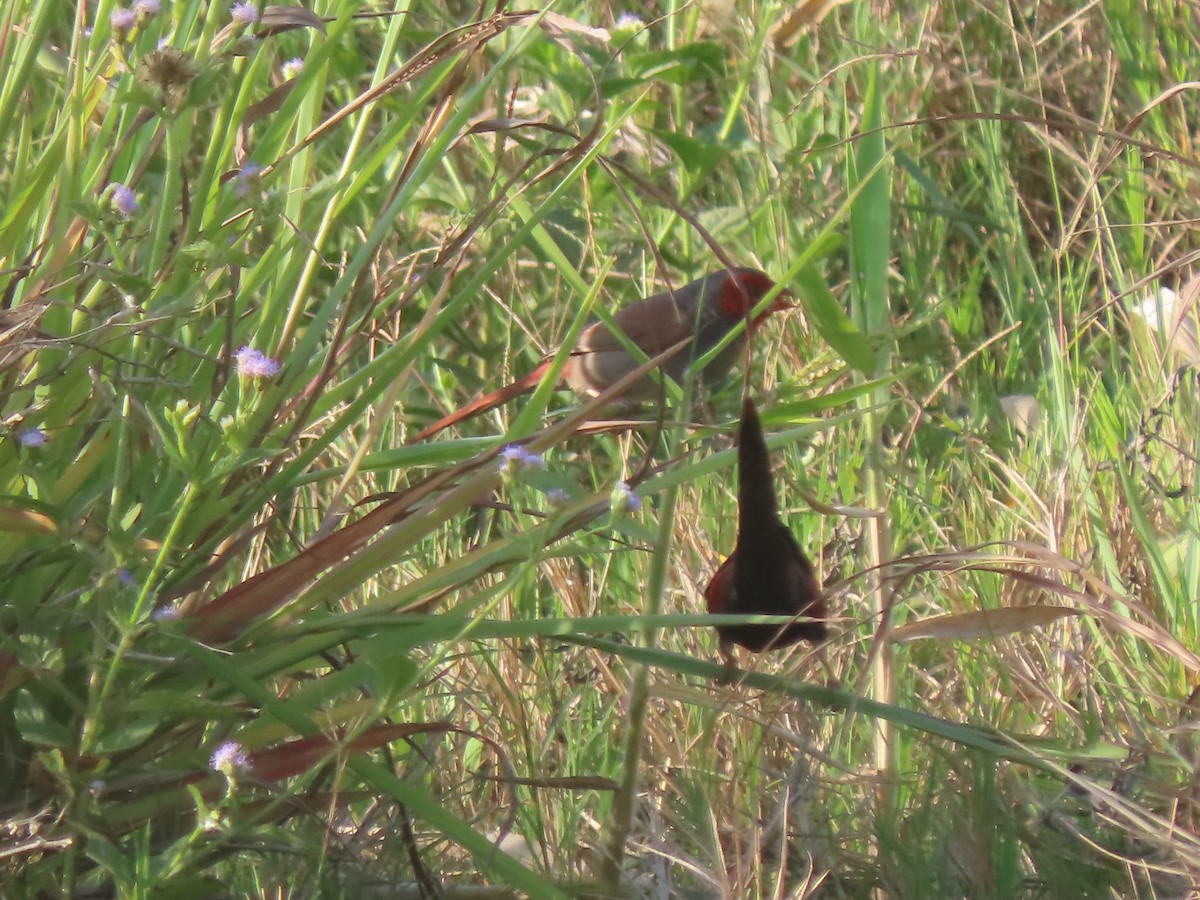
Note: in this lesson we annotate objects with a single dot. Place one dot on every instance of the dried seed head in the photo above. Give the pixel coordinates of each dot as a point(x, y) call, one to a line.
point(169, 69)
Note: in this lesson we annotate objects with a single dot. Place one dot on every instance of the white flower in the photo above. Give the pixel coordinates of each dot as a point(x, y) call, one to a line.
point(1174, 318)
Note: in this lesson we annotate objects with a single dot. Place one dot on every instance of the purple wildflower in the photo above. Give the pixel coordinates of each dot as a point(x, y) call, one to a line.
point(228, 758)
point(292, 68)
point(624, 499)
point(145, 9)
point(122, 19)
point(244, 13)
point(124, 200)
point(514, 457)
point(511, 457)
point(246, 178)
point(255, 364)
point(32, 437)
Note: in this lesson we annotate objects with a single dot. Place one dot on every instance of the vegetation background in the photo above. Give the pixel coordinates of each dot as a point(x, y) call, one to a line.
point(253, 644)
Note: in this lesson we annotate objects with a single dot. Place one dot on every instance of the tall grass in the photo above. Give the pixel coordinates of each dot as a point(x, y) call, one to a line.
point(258, 642)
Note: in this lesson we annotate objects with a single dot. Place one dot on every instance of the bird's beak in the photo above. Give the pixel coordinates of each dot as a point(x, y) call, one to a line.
point(783, 302)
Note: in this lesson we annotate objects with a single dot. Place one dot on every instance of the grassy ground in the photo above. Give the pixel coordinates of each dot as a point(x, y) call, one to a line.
point(254, 643)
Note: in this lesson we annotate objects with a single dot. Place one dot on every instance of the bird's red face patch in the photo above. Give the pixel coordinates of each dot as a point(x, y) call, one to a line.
point(741, 292)
point(716, 595)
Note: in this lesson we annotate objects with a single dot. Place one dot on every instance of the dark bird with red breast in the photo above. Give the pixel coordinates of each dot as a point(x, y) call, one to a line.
point(706, 310)
point(767, 574)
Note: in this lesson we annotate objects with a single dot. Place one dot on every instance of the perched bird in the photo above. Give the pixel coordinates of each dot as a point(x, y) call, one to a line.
point(767, 573)
point(705, 309)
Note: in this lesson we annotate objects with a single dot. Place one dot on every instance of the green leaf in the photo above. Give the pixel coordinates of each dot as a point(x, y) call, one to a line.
point(391, 671)
point(127, 734)
point(832, 323)
point(35, 723)
point(699, 156)
point(790, 412)
point(870, 215)
point(112, 859)
point(691, 62)
point(187, 886)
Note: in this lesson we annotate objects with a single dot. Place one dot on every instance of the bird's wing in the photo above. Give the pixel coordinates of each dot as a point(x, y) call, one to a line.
point(653, 324)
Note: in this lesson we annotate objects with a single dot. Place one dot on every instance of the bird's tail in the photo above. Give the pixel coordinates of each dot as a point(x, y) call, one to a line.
point(522, 385)
point(756, 490)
